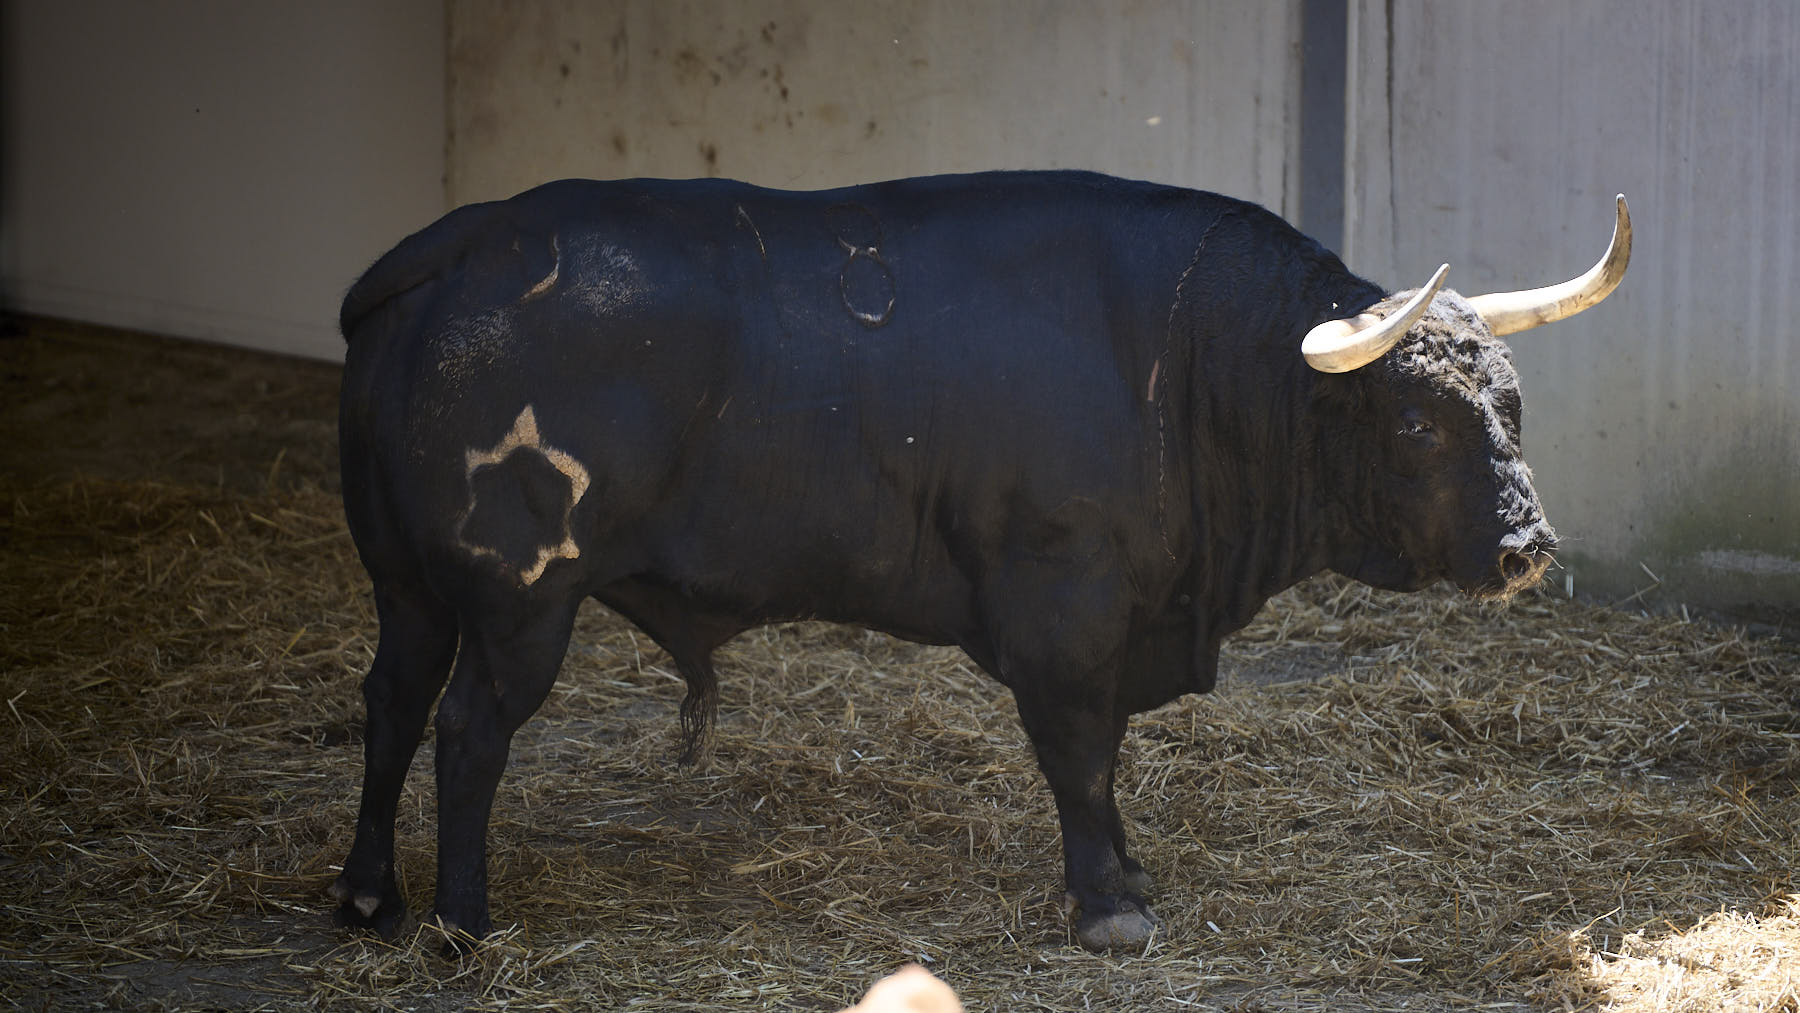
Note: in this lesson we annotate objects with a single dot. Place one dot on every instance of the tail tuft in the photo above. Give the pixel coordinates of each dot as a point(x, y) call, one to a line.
point(697, 711)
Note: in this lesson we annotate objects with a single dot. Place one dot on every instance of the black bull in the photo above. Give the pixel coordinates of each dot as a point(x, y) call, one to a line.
point(1059, 420)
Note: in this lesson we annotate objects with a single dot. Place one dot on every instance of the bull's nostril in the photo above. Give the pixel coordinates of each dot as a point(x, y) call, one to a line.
point(1524, 556)
point(1517, 565)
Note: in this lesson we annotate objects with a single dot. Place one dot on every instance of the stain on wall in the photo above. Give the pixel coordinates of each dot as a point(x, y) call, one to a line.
point(1725, 533)
point(797, 94)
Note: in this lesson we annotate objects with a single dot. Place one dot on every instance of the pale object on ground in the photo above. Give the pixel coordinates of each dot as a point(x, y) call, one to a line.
point(912, 989)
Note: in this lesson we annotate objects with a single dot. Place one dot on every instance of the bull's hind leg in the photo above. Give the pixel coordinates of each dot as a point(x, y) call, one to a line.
point(506, 666)
point(417, 643)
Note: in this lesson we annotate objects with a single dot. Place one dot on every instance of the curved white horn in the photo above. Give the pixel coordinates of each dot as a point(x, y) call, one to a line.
point(1511, 312)
point(1347, 343)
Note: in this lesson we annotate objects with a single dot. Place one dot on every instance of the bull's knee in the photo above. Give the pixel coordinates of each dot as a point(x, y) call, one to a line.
point(453, 715)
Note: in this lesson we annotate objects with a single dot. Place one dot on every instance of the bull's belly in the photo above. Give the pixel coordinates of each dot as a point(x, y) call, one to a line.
point(773, 577)
point(909, 590)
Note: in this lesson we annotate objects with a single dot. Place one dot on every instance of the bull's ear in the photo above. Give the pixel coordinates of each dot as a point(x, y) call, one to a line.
point(1511, 312)
point(1347, 343)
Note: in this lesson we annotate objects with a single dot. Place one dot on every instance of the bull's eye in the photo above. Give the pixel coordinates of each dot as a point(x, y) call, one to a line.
point(1416, 426)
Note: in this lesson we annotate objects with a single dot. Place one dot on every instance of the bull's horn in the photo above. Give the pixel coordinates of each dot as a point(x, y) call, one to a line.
point(1347, 343)
point(1511, 312)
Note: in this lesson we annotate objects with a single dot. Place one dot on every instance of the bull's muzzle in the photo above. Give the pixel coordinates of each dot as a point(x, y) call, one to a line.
point(1522, 560)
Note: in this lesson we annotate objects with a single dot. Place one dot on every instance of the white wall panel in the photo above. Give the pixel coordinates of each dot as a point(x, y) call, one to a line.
point(214, 169)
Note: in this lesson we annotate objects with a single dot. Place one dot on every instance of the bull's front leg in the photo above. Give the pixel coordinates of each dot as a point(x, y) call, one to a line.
point(1137, 878)
point(1077, 742)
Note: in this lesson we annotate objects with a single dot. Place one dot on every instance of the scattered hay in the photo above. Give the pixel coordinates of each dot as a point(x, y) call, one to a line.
point(1729, 961)
point(1546, 805)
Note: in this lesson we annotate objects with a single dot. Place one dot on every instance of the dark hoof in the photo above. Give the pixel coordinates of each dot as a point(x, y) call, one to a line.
point(382, 913)
point(1125, 929)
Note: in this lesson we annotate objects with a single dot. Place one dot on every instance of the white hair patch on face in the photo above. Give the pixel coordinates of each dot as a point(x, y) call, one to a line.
point(524, 436)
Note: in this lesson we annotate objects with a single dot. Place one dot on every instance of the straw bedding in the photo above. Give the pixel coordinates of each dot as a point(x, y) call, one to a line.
point(1393, 802)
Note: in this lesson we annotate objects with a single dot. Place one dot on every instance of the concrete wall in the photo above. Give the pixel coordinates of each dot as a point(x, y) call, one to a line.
point(214, 169)
point(1663, 426)
point(802, 94)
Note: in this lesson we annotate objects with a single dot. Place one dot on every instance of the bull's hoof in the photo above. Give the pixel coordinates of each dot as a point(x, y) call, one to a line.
point(379, 912)
point(1125, 929)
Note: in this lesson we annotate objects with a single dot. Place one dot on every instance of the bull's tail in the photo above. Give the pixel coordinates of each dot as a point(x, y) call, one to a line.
point(418, 260)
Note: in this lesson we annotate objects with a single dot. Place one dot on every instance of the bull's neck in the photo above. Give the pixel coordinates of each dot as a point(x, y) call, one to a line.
point(1252, 289)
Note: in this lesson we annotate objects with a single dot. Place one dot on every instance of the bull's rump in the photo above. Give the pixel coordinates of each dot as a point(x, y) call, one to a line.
point(783, 403)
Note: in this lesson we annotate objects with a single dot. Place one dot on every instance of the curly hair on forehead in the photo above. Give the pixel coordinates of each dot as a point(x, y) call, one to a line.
point(1451, 341)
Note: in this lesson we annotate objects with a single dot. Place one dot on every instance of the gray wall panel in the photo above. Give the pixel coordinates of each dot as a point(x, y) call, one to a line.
point(1664, 426)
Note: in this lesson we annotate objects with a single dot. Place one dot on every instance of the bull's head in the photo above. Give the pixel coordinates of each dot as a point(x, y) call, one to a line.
point(1426, 431)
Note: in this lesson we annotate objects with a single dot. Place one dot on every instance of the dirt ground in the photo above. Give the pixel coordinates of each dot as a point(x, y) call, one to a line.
point(1363, 818)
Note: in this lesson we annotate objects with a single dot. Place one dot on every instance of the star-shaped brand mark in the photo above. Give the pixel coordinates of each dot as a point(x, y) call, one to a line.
point(560, 542)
